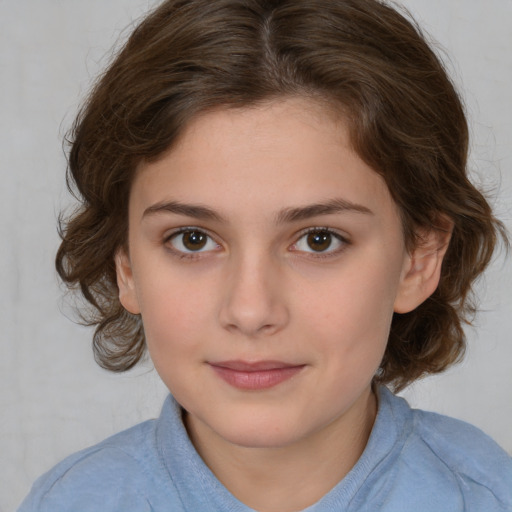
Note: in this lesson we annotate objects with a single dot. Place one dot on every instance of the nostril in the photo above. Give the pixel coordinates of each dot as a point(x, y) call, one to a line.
point(253, 319)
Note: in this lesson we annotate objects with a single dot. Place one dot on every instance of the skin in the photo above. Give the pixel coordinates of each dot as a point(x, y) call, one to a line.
point(259, 290)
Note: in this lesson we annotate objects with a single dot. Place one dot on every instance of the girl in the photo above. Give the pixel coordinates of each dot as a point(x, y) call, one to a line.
point(274, 201)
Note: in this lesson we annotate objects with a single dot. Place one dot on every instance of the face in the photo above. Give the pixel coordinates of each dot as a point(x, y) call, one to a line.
point(266, 259)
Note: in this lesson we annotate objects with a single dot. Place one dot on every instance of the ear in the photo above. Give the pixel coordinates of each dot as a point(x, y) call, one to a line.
point(422, 270)
point(125, 282)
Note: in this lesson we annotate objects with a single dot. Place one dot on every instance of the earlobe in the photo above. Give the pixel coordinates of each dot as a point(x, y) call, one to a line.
point(125, 282)
point(422, 270)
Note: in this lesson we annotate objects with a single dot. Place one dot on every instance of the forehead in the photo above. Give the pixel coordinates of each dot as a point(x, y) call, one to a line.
point(272, 156)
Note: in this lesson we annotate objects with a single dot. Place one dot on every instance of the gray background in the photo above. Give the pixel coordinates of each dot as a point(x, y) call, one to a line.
point(53, 399)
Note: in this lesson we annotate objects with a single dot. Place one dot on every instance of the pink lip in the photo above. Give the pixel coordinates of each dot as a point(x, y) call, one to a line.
point(255, 375)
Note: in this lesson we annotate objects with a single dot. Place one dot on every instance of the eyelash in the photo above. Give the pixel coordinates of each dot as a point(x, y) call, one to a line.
point(311, 254)
point(182, 254)
point(324, 254)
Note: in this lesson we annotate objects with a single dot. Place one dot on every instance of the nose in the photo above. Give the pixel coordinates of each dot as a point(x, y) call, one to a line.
point(254, 298)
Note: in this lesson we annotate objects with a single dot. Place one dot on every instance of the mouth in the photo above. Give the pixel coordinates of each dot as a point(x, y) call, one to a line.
point(255, 375)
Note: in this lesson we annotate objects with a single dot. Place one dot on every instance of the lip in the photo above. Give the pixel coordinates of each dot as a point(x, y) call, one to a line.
point(256, 375)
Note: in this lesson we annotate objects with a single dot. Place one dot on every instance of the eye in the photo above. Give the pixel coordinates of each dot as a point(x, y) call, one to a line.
point(192, 241)
point(320, 241)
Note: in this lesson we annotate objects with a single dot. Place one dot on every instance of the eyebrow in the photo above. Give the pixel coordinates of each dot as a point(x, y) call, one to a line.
point(328, 208)
point(189, 210)
point(286, 215)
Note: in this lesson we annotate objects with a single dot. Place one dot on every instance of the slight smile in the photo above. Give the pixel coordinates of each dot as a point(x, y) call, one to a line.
point(255, 375)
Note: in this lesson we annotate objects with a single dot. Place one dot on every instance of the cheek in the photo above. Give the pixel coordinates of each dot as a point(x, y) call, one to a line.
point(174, 330)
point(176, 314)
point(353, 315)
point(173, 319)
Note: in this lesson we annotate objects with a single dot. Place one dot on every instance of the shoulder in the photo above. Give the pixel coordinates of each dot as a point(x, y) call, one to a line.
point(463, 447)
point(116, 474)
point(457, 455)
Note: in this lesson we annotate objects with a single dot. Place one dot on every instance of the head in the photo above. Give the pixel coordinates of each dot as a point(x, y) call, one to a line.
point(364, 66)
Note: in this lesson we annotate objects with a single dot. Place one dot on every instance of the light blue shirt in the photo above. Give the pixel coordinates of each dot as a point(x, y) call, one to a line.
point(414, 461)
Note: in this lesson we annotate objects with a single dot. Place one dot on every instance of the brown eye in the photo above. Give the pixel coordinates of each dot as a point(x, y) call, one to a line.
point(192, 240)
point(319, 241)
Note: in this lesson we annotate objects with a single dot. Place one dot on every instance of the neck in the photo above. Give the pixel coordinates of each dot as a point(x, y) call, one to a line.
point(295, 476)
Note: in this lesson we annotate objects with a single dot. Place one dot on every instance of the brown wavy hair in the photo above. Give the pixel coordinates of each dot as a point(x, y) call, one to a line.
point(361, 57)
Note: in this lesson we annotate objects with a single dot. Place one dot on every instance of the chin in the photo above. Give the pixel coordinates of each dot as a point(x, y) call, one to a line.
point(261, 432)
